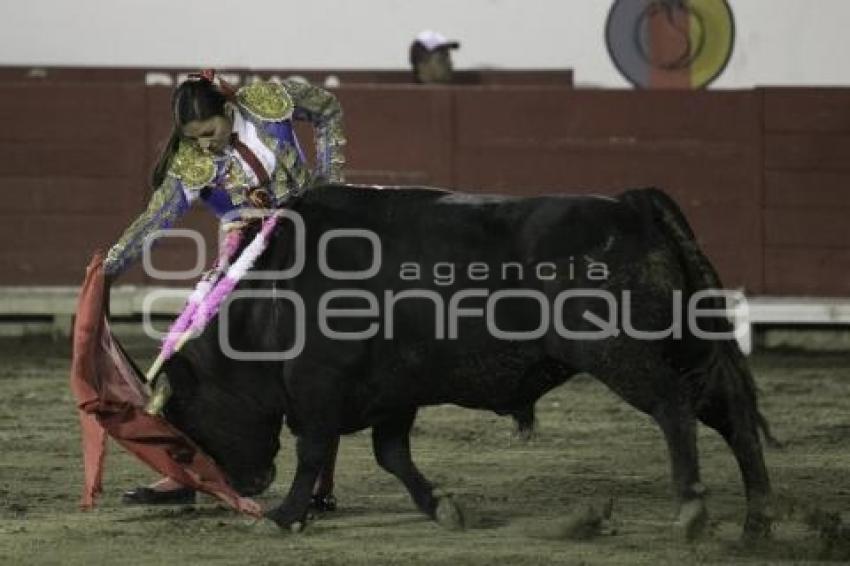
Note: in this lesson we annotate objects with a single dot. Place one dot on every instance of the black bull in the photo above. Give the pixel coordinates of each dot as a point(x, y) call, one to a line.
point(638, 243)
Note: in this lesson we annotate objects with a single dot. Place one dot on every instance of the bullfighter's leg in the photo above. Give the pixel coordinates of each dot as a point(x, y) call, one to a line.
point(323, 490)
point(312, 453)
point(391, 443)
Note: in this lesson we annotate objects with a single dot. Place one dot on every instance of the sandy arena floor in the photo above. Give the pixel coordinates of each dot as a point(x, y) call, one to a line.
point(590, 447)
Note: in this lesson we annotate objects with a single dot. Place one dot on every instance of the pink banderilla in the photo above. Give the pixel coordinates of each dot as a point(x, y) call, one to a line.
point(228, 248)
point(208, 295)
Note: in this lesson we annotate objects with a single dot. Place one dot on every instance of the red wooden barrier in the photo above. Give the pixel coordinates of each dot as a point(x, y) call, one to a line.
point(807, 191)
point(762, 174)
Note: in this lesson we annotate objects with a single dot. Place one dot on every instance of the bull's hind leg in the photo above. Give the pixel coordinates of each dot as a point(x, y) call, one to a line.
point(657, 390)
point(740, 431)
point(391, 443)
point(525, 421)
point(678, 424)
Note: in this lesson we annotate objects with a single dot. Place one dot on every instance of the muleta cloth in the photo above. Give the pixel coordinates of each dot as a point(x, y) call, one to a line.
point(670, 43)
point(111, 398)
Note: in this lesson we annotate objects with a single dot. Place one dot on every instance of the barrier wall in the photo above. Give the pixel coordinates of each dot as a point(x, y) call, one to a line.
point(701, 147)
point(139, 75)
point(807, 191)
point(760, 173)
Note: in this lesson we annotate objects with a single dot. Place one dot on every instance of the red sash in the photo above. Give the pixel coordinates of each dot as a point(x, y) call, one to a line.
point(251, 159)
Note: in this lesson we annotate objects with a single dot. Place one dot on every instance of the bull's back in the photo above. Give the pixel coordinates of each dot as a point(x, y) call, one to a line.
point(440, 225)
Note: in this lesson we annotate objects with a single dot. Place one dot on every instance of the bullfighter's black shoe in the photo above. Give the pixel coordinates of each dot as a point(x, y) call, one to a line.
point(323, 503)
point(146, 496)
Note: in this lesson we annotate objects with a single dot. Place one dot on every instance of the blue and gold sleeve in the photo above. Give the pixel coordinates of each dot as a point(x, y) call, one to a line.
point(322, 109)
point(167, 204)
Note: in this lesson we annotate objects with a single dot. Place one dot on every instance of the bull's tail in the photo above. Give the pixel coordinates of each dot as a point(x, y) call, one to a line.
point(725, 366)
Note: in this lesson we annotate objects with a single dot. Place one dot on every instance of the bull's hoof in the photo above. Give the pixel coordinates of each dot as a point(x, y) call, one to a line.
point(449, 514)
point(287, 521)
point(523, 435)
point(692, 520)
point(297, 527)
point(584, 522)
point(757, 526)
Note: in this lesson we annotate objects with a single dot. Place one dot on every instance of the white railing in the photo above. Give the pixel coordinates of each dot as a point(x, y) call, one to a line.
point(60, 304)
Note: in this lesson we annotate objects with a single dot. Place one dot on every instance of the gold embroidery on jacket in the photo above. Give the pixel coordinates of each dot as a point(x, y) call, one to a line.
point(323, 110)
point(193, 166)
point(164, 208)
point(266, 101)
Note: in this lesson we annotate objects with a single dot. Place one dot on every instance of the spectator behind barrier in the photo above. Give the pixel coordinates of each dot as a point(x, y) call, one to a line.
point(430, 58)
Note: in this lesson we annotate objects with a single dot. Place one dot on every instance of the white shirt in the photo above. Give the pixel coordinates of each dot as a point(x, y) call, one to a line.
point(247, 133)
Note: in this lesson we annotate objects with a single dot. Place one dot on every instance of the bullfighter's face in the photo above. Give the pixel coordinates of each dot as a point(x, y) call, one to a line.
point(212, 134)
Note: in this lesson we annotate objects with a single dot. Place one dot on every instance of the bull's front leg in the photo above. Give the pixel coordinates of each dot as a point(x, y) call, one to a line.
point(312, 453)
point(323, 496)
point(391, 443)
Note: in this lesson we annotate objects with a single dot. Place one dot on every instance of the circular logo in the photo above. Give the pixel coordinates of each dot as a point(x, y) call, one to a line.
point(670, 43)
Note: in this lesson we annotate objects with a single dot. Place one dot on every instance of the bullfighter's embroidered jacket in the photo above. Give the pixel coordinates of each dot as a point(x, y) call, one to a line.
point(263, 121)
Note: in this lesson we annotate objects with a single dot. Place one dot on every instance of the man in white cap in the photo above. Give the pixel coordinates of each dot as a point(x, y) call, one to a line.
point(430, 57)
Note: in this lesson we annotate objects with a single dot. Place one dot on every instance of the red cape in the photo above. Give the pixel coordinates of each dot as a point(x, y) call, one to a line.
point(111, 398)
